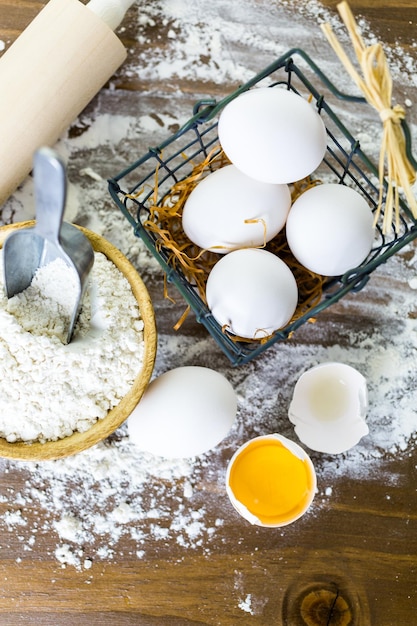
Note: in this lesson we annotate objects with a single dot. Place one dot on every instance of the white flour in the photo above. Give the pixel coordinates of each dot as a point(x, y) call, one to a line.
point(112, 501)
point(46, 306)
point(48, 389)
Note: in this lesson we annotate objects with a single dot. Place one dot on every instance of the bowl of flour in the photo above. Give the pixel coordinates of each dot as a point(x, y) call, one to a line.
point(57, 399)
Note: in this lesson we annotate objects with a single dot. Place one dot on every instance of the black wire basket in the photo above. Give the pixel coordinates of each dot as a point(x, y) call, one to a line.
point(149, 179)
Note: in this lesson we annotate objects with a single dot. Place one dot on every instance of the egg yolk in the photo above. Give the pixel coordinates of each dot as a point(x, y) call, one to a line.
point(271, 481)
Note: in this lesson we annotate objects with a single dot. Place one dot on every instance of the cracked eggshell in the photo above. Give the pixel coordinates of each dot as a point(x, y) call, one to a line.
point(183, 413)
point(271, 481)
point(252, 292)
point(328, 407)
point(272, 134)
point(228, 210)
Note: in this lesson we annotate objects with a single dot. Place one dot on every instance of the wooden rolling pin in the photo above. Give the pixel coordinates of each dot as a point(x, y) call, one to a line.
point(49, 74)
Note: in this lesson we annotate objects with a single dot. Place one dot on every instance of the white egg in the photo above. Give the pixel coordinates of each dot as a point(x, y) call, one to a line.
point(229, 210)
point(330, 229)
point(329, 406)
point(183, 413)
point(273, 135)
point(252, 292)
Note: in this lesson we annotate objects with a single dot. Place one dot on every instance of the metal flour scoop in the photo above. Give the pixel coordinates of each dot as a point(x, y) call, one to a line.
point(28, 249)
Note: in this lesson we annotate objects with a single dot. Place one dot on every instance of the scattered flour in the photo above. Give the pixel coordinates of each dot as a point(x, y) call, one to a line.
point(48, 389)
point(106, 496)
point(245, 604)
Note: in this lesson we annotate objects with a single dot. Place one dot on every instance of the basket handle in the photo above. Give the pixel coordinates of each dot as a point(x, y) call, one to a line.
point(206, 109)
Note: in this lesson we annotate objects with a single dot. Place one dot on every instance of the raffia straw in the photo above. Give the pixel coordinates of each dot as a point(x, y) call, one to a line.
point(376, 85)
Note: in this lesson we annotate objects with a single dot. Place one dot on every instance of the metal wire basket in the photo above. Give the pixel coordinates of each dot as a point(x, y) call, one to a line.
point(151, 177)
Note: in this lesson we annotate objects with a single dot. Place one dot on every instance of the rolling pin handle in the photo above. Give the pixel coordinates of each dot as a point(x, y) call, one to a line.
point(111, 12)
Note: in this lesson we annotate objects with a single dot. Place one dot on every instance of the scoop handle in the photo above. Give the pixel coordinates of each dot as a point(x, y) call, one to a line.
point(50, 193)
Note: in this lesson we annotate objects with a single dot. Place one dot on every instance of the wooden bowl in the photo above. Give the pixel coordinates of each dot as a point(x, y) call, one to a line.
point(103, 427)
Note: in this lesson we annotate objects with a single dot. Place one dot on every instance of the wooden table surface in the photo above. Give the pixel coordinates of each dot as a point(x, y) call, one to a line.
point(355, 552)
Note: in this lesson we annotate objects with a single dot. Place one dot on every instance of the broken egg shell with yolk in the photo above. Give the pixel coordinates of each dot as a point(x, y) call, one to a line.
point(271, 481)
